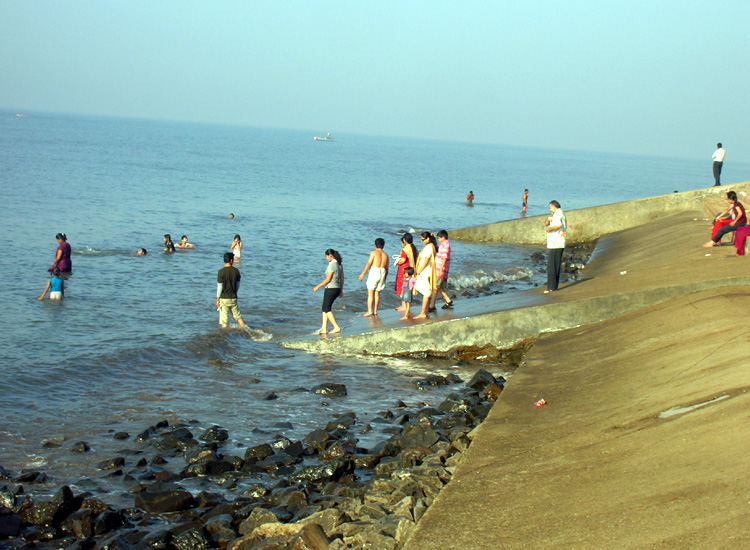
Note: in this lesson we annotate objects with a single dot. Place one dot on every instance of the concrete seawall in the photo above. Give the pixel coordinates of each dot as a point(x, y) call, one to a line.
point(623, 278)
point(588, 224)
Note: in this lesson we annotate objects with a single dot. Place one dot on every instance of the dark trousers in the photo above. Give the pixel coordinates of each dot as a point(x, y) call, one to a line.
point(554, 264)
point(726, 229)
point(717, 173)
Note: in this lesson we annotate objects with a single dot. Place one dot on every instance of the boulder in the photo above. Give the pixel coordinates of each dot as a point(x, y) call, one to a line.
point(10, 525)
point(215, 434)
point(164, 501)
point(310, 537)
point(258, 517)
point(480, 379)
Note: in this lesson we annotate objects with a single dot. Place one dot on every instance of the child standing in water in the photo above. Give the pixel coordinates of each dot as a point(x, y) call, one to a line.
point(406, 293)
point(236, 247)
point(55, 286)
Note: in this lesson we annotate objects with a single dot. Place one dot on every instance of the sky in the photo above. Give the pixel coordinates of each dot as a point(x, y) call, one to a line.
point(656, 77)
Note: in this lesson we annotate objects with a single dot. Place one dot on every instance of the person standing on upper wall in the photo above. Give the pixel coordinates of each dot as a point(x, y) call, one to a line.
point(718, 157)
point(62, 257)
point(556, 227)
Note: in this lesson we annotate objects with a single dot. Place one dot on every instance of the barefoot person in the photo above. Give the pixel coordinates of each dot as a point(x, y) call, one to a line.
point(408, 258)
point(556, 227)
point(425, 272)
point(442, 267)
point(334, 284)
point(524, 200)
point(739, 219)
point(378, 266)
point(407, 293)
point(227, 287)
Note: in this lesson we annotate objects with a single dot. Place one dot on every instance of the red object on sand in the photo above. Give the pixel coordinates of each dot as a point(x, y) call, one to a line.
point(540, 403)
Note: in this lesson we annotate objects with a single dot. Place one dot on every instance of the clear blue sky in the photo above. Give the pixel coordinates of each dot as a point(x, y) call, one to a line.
point(655, 77)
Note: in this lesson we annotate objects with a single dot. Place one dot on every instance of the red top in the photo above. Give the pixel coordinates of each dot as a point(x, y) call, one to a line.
point(740, 218)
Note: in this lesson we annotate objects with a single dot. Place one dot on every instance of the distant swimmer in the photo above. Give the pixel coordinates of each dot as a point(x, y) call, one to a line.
point(231, 216)
point(470, 199)
point(184, 244)
point(378, 266)
point(55, 286)
point(141, 252)
point(227, 287)
point(718, 157)
point(168, 244)
point(236, 247)
point(524, 200)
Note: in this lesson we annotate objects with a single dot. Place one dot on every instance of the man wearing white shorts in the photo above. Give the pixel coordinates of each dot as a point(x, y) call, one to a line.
point(377, 264)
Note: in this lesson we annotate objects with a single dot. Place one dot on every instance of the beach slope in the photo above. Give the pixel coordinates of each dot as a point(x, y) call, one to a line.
point(643, 440)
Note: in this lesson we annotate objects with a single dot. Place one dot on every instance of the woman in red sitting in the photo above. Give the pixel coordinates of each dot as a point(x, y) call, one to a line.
point(737, 212)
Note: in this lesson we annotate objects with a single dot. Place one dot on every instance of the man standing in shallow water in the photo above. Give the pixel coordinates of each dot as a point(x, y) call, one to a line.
point(227, 286)
point(378, 266)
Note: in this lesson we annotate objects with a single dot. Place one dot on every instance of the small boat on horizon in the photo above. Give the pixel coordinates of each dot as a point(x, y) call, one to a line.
point(327, 137)
point(21, 114)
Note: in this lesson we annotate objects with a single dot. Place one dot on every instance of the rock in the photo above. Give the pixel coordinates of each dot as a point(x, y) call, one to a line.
point(259, 452)
point(164, 501)
point(270, 396)
point(80, 447)
point(295, 450)
point(492, 391)
point(189, 537)
point(79, 524)
point(5, 474)
point(10, 525)
point(480, 379)
point(372, 540)
point(7, 498)
point(215, 434)
point(121, 435)
point(179, 438)
point(432, 380)
point(330, 389)
point(331, 471)
point(111, 464)
point(418, 436)
point(327, 519)
point(258, 517)
point(108, 521)
point(310, 537)
point(146, 434)
point(343, 422)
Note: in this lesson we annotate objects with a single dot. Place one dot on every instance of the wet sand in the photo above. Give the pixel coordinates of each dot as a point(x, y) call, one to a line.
point(597, 467)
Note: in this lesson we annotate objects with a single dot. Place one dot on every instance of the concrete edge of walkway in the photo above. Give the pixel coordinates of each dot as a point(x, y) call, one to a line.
point(503, 329)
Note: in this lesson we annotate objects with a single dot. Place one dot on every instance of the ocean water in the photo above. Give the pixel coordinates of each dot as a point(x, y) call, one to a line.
point(136, 339)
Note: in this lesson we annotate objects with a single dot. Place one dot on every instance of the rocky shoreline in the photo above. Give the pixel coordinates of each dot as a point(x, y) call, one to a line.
point(324, 491)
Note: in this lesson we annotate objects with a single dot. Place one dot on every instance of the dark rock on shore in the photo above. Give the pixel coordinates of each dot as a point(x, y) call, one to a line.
point(325, 492)
point(330, 389)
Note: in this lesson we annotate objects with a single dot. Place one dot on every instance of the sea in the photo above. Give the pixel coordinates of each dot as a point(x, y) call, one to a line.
point(136, 339)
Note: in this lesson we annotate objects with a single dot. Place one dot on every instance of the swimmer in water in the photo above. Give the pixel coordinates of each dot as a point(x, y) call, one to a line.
point(184, 244)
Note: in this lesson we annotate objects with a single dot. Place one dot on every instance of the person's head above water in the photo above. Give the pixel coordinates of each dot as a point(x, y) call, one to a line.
point(237, 238)
point(231, 216)
point(167, 237)
point(55, 271)
point(141, 252)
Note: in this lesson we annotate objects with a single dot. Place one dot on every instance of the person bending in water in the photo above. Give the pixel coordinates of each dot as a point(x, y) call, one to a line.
point(227, 287)
point(378, 266)
point(55, 286)
point(184, 244)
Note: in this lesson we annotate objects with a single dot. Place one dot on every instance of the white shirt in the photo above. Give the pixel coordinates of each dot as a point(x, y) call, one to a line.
point(718, 155)
point(556, 238)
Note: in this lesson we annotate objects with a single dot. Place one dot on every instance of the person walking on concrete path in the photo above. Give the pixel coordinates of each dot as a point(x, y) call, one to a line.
point(556, 227)
point(718, 157)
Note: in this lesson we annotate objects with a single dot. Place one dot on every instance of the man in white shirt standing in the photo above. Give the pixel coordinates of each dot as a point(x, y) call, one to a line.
point(718, 157)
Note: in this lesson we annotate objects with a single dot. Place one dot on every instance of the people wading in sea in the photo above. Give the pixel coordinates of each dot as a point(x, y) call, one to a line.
point(227, 287)
point(62, 256)
point(377, 263)
point(334, 284)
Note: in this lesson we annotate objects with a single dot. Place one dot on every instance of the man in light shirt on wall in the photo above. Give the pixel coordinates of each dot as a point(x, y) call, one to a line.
point(718, 157)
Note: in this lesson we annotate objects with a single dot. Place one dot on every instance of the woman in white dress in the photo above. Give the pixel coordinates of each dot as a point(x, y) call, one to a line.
point(236, 247)
point(425, 272)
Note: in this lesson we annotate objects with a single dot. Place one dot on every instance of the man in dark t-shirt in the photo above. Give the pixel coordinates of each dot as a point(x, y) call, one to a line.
point(227, 286)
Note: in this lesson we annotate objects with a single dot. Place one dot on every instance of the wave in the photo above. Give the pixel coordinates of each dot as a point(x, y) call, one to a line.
point(480, 279)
